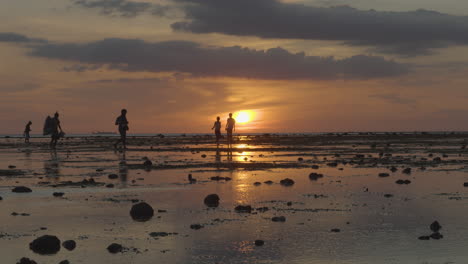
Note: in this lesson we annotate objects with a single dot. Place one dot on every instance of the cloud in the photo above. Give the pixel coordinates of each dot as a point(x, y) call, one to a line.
point(18, 38)
point(394, 99)
point(134, 55)
point(404, 33)
point(123, 8)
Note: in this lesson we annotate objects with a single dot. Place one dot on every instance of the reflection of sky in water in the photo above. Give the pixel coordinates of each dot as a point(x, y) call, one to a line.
point(380, 230)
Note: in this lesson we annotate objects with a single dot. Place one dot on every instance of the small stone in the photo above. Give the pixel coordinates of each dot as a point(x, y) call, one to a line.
point(383, 174)
point(211, 200)
point(424, 237)
point(388, 195)
point(335, 230)
point(243, 209)
point(278, 219)
point(58, 194)
point(300, 159)
point(287, 182)
point(203, 155)
point(259, 243)
point(45, 245)
point(26, 261)
point(141, 212)
point(257, 183)
point(196, 226)
point(69, 244)
point(64, 262)
point(268, 182)
point(148, 163)
point(114, 248)
point(110, 185)
point(315, 167)
point(21, 189)
point(315, 176)
point(407, 171)
point(113, 176)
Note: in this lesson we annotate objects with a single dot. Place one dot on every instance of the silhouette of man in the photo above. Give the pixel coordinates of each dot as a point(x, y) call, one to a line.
point(122, 122)
point(230, 126)
point(217, 128)
point(56, 130)
point(26, 132)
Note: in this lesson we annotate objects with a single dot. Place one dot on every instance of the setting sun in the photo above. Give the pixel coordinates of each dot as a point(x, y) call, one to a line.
point(243, 116)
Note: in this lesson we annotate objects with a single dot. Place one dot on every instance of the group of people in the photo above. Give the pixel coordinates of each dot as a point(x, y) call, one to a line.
point(52, 127)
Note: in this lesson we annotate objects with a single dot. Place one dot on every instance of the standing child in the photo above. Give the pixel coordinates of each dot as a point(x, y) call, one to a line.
point(26, 132)
point(123, 127)
point(217, 128)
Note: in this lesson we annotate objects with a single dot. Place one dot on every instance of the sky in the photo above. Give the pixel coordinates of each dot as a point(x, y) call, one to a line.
point(292, 65)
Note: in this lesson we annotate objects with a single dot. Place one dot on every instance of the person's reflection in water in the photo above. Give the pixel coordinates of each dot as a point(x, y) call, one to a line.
point(218, 156)
point(229, 154)
point(123, 169)
point(52, 166)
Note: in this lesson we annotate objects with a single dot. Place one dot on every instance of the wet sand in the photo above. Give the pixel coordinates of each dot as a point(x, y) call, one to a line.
point(379, 221)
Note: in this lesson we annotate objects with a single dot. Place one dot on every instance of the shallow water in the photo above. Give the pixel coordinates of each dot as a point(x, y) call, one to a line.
point(350, 196)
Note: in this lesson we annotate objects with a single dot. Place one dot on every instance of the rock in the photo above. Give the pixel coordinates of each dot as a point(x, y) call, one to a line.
point(196, 226)
point(203, 155)
point(159, 234)
point(335, 230)
point(257, 183)
point(435, 226)
point(11, 166)
point(437, 159)
point(393, 169)
point(465, 184)
point(259, 243)
point(300, 159)
point(45, 245)
point(141, 212)
point(388, 195)
point(113, 176)
point(332, 164)
point(69, 244)
point(64, 262)
point(287, 182)
point(315, 167)
point(436, 235)
point(1, 198)
point(21, 189)
point(26, 261)
point(268, 182)
point(211, 200)
point(191, 179)
point(407, 171)
point(58, 194)
point(278, 219)
point(219, 178)
point(114, 248)
point(243, 209)
point(315, 176)
point(403, 182)
point(148, 163)
point(110, 185)
point(383, 174)
point(424, 237)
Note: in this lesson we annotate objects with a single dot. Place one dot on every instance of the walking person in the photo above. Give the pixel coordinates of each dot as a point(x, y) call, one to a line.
point(230, 127)
point(122, 123)
point(56, 130)
point(27, 129)
point(217, 129)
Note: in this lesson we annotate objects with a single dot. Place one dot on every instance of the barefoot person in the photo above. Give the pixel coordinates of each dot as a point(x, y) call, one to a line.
point(56, 130)
point(230, 126)
point(123, 127)
point(26, 132)
point(217, 128)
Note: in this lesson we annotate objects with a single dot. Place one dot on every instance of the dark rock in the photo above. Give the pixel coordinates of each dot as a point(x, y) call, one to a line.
point(259, 243)
point(45, 245)
point(332, 164)
point(424, 237)
point(393, 169)
point(141, 212)
point(388, 195)
point(211, 200)
point(436, 235)
point(278, 219)
point(407, 171)
point(159, 234)
point(64, 262)
point(114, 248)
point(262, 209)
point(148, 163)
point(335, 230)
point(69, 244)
point(437, 159)
point(257, 183)
point(191, 179)
point(300, 159)
point(196, 226)
point(315, 167)
point(58, 194)
point(465, 184)
point(203, 155)
point(287, 182)
point(383, 174)
point(315, 176)
point(435, 226)
point(403, 182)
point(11, 166)
point(218, 178)
point(26, 261)
point(110, 185)
point(243, 209)
point(268, 182)
point(1, 198)
point(21, 189)
point(113, 176)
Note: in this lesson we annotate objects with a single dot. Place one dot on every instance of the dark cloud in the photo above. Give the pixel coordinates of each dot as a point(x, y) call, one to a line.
point(124, 8)
point(199, 61)
point(404, 33)
point(395, 99)
point(14, 37)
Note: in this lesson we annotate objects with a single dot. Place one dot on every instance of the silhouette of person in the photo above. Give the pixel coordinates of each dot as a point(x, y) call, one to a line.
point(56, 129)
point(217, 128)
point(26, 132)
point(122, 122)
point(230, 126)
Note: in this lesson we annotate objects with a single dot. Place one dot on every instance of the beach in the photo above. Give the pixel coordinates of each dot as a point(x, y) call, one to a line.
point(352, 198)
